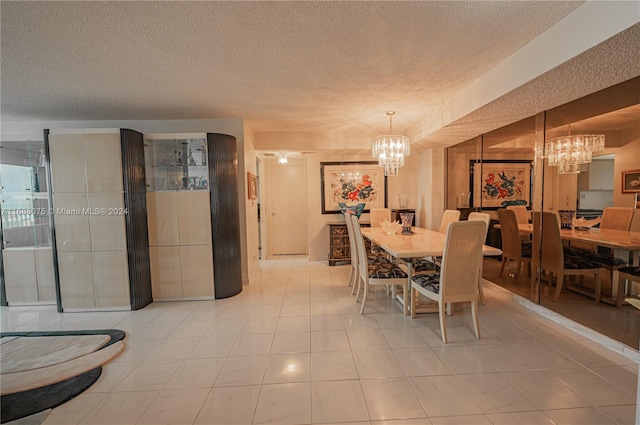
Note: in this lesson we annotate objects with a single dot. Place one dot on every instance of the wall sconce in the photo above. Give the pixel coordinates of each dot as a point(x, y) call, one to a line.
point(282, 158)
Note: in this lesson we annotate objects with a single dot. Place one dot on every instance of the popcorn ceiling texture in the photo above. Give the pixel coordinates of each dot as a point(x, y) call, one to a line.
point(314, 67)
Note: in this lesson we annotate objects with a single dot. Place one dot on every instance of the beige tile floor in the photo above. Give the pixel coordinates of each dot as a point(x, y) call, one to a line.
point(292, 349)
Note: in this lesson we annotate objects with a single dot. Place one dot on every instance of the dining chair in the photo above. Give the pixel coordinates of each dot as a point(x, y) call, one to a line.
point(485, 218)
point(613, 218)
point(521, 213)
point(626, 275)
point(378, 215)
point(378, 273)
point(448, 216)
point(372, 257)
point(431, 264)
point(457, 280)
point(513, 248)
point(557, 259)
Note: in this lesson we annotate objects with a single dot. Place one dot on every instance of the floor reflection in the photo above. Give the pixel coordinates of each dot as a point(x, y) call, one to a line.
point(621, 324)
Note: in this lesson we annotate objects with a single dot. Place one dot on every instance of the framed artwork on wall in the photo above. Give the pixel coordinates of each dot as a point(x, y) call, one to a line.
point(252, 186)
point(500, 183)
point(631, 181)
point(352, 183)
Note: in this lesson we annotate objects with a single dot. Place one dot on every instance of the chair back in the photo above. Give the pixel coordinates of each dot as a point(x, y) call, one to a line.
point(552, 257)
point(352, 239)
point(363, 264)
point(635, 222)
point(449, 216)
point(461, 260)
point(378, 215)
point(511, 241)
point(521, 213)
point(484, 217)
point(616, 218)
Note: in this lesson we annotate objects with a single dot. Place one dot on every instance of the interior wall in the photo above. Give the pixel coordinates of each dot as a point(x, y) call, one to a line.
point(318, 230)
point(251, 216)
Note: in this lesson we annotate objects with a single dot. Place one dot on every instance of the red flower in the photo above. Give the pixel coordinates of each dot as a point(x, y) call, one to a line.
point(365, 180)
point(354, 195)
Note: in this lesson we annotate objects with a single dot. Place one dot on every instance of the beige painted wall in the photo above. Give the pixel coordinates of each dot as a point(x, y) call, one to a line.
point(251, 216)
point(627, 158)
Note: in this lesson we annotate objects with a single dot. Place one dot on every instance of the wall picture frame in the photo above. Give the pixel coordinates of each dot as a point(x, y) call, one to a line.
point(352, 183)
point(631, 181)
point(252, 186)
point(498, 184)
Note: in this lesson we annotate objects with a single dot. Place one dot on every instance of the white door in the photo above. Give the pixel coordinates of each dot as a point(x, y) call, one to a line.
point(287, 194)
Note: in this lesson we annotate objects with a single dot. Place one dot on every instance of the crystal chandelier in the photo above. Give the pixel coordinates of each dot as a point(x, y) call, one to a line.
point(568, 152)
point(391, 150)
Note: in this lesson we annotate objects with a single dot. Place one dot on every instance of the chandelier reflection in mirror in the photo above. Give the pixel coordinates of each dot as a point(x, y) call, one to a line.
point(390, 150)
point(568, 152)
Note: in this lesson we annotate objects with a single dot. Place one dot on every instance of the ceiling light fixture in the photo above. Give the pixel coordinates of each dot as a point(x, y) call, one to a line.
point(390, 150)
point(282, 158)
point(568, 152)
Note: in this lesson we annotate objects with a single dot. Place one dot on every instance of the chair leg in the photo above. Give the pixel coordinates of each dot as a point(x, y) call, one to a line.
point(443, 324)
point(598, 287)
point(518, 267)
point(364, 297)
point(621, 290)
point(357, 288)
point(505, 260)
point(351, 280)
point(559, 283)
point(414, 302)
point(480, 290)
point(474, 314)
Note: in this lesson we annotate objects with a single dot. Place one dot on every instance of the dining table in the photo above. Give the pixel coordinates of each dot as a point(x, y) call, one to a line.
point(419, 243)
point(623, 241)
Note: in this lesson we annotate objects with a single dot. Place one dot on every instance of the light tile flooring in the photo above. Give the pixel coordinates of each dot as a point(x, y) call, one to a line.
point(292, 349)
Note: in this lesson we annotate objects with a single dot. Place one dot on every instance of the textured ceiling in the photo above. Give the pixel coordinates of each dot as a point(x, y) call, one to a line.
point(283, 66)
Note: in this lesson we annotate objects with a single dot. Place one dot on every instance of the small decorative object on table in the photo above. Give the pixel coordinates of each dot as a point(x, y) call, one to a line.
point(566, 218)
point(406, 218)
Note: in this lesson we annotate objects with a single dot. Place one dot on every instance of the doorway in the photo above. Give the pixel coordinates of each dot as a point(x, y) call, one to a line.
point(287, 208)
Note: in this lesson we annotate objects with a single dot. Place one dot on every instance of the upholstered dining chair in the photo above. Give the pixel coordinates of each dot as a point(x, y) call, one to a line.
point(378, 215)
point(513, 248)
point(626, 274)
point(485, 218)
point(521, 213)
point(372, 257)
point(613, 218)
point(449, 216)
point(457, 280)
point(377, 273)
point(555, 258)
point(431, 264)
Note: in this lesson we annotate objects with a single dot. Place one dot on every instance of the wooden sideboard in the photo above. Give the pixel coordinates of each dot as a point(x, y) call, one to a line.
point(339, 248)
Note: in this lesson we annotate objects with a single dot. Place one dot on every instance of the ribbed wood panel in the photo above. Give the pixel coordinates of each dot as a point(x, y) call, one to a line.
point(135, 201)
point(225, 222)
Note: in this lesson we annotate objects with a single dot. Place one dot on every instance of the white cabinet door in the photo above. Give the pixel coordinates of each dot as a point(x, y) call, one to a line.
point(197, 270)
point(72, 222)
point(162, 215)
point(76, 280)
point(103, 158)
point(44, 274)
point(194, 217)
point(166, 275)
point(20, 275)
point(68, 172)
point(110, 279)
point(607, 174)
point(106, 221)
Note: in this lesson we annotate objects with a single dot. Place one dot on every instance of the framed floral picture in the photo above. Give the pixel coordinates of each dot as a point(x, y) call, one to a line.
point(352, 183)
point(631, 181)
point(500, 183)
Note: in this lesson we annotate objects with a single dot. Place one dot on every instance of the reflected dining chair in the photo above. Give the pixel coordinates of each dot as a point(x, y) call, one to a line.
point(485, 218)
point(449, 216)
point(457, 280)
point(556, 259)
point(372, 257)
point(513, 249)
point(613, 218)
point(521, 213)
point(628, 275)
point(378, 273)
